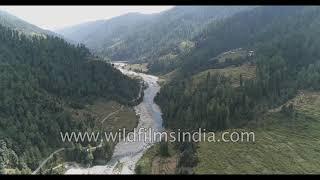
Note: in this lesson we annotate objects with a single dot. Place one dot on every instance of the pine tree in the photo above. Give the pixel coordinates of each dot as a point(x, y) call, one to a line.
point(138, 169)
point(163, 149)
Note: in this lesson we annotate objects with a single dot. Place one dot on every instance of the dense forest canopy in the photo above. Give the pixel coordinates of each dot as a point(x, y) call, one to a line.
point(285, 42)
point(142, 37)
point(40, 77)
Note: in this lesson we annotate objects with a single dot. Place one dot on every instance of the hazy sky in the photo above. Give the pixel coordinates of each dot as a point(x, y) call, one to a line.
point(55, 17)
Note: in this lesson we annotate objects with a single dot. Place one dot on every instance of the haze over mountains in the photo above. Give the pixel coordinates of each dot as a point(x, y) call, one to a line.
point(18, 24)
point(224, 67)
point(142, 37)
point(219, 67)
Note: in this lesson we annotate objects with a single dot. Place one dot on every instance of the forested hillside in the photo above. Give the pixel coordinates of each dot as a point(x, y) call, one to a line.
point(219, 67)
point(142, 38)
point(285, 45)
point(97, 35)
point(18, 24)
point(40, 77)
point(250, 71)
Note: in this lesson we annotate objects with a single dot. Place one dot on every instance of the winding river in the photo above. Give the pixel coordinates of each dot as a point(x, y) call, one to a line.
point(126, 154)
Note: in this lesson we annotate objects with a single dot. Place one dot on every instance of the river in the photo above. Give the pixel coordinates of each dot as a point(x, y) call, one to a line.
point(126, 154)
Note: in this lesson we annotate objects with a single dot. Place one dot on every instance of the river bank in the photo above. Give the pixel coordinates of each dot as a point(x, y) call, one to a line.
point(126, 154)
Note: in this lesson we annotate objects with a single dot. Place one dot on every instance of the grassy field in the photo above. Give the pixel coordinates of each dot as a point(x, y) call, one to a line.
point(152, 163)
point(109, 115)
point(186, 45)
point(282, 144)
point(233, 54)
point(167, 77)
point(247, 71)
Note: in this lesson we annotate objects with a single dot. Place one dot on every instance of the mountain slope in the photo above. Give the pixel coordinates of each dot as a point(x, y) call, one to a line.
point(284, 40)
point(13, 22)
point(43, 80)
point(97, 34)
point(280, 44)
point(150, 36)
point(248, 29)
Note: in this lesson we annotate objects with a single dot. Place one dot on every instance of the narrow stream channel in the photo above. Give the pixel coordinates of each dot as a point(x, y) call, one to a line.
point(126, 154)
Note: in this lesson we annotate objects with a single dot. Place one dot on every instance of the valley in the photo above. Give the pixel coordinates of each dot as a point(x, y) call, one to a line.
point(126, 154)
point(218, 68)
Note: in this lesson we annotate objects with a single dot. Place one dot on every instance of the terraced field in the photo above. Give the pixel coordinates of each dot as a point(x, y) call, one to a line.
point(108, 114)
point(282, 144)
point(152, 163)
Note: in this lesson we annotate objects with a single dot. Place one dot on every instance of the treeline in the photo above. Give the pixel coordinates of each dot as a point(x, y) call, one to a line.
point(40, 77)
point(89, 155)
point(140, 38)
point(286, 60)
point(165, 31)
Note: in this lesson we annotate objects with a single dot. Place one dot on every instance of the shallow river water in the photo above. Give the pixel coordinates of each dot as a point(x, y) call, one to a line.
point(126, 154)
